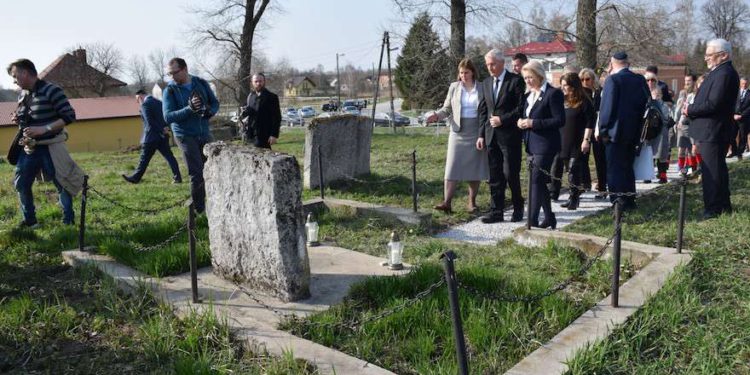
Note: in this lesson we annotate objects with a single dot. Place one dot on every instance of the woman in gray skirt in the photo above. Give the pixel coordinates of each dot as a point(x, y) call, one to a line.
point(463, 162)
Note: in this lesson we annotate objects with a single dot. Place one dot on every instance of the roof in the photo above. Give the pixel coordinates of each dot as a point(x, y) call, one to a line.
point(678, 59)
point(537, 48)
point(87, 108)
point(296, 81)
point(73, 71)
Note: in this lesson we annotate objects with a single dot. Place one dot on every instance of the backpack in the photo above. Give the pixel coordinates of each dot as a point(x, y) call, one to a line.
point(652, 121)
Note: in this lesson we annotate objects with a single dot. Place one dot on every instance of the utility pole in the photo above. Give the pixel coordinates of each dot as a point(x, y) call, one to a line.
point(338, 82)
point(377, 80)
point(390, 77)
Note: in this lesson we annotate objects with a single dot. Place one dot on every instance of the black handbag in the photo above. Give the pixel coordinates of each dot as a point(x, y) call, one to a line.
point(15, 149)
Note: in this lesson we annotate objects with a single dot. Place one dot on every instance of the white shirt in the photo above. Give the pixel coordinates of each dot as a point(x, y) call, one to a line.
point(469, 101)
point(533, 97)
point(498, 84)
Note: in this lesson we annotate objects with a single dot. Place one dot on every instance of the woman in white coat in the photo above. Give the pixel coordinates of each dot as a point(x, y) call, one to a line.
point(463, 161)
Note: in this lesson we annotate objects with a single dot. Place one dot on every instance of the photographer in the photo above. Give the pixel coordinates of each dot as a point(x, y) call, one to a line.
point(263, 114)
point(188, 105)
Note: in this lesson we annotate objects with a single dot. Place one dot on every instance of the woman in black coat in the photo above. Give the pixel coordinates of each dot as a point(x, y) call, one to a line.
point(542, 116)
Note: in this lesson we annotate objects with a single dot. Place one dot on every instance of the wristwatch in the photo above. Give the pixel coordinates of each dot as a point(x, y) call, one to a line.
point(48, 127)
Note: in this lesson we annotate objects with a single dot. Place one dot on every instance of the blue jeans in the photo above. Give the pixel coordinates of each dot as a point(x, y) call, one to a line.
point(192, 152)
point(26, 170)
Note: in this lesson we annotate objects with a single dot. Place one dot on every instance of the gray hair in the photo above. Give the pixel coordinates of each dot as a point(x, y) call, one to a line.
point(496, 54)
point(588, 72)
point(536, 68)
point(721, 45)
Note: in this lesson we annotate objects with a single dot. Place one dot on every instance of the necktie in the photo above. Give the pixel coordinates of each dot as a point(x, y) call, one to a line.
point(495, 89)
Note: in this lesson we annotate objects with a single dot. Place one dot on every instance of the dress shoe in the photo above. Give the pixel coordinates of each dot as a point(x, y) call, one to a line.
point(493, 218)
point(517, 216)
point(574, 202)
point(646, 181)
point(177, 180)
point(130, 179)
point(443, 207)
point(601, 196)
point(554, 195)
point(566, 203)
point(709, 216)
point(550, 222)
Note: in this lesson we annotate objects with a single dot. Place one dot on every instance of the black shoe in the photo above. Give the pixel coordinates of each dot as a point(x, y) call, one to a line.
point(554, 195)
point(646, 181)
point(493, 218)
point(709, 216)
point(550, 222)
point(28, 224)
point(574, 202)
point(517, 216)
point(130, 179)
point(177, 180)
point(600, 196)
point(566, 203)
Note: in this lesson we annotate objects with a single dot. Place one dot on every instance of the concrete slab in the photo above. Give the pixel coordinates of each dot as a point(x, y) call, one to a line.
point(333, 270)
point(396, 215)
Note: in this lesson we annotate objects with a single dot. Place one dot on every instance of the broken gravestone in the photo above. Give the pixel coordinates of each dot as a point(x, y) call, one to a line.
point(255, 219)
point(344, 143)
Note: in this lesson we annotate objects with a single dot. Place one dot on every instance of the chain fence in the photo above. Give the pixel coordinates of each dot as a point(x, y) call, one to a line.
point(114, 202)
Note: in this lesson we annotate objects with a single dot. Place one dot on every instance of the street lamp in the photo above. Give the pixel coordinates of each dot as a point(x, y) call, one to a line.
point(338, 82)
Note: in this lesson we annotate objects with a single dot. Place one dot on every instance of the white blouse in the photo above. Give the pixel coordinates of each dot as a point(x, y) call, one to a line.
point(534, 97)
point(469, 102)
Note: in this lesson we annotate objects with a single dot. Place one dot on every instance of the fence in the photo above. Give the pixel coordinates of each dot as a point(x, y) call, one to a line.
point(449, 279)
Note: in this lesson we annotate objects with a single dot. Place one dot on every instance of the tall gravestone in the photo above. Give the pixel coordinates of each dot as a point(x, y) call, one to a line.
point(344, 143)
point(255, 219)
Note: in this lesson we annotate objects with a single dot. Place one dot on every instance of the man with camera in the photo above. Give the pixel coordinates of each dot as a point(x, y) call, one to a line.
point(263, 114)
point(188, 105)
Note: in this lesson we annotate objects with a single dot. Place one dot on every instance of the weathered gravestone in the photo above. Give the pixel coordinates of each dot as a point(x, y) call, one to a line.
point(255, 219)
point(344, 143)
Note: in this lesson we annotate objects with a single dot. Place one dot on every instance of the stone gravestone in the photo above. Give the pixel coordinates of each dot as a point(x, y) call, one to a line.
point(344, 143)
point(255, 219)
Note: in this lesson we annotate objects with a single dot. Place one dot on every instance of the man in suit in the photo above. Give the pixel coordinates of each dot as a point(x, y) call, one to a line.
point(499, 110)
point(263, 114)
point(155, 138)
point(742, 118)
point(711, 116)
point(623, 103)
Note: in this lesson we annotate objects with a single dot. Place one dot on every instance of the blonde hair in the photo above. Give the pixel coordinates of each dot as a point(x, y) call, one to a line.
point(588, 72)
point(535, 67)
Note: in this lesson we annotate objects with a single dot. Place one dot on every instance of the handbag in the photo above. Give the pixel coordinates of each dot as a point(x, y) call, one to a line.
point(15, 148)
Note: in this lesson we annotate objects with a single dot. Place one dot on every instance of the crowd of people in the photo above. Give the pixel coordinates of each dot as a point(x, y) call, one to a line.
point(559, 124)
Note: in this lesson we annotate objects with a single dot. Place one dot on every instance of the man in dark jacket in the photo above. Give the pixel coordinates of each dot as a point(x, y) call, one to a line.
point(623, 103)
point(711, 116)
point(742, 118)
point(499, 109)
point(263, 114)
point(155, 138)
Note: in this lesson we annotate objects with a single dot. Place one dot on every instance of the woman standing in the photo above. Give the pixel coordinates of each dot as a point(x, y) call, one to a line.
point(685, 157)
point(593, 90)
point(542, 116)
point(463, 161)
point(660, 144)
point(576, 135)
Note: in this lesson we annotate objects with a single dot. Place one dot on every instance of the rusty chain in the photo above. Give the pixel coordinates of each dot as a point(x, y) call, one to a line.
point(136, 209)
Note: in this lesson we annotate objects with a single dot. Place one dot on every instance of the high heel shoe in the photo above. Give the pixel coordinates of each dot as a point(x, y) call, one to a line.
point(550, 222)
point(444, 207)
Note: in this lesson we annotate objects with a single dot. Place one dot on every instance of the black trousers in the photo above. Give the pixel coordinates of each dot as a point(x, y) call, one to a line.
point(192, 152)
point(557, 168)
point(715, 178)
point(539, 194)
point(505, 169)
point(600, 159)
point(577, 168)
point(743, 129)
point(585, 172)
point(620, 175)
point(147, 152)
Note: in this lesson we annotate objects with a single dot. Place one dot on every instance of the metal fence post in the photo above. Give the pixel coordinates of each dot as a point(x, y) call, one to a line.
point(320, 174)
point(530, 199)
point(193, 257)
point(616, 253)
point(82, 226)
point(458, 331)
point(681, 222)
point(414, 179)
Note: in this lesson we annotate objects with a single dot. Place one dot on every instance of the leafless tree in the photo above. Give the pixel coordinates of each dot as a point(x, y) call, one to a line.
point(231, 25)
point(138, 71)
point(727, 19)
point(104, 57)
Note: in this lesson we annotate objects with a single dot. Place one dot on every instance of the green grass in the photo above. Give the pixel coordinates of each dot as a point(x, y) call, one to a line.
point(699, 322)
point(418, 339)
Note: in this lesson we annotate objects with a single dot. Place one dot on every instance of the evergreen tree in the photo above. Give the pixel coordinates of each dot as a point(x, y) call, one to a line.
point(424, 69)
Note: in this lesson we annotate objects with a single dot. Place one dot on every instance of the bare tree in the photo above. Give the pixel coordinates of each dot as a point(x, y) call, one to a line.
point(231, 26)
point(727, 19)
point(138, 71)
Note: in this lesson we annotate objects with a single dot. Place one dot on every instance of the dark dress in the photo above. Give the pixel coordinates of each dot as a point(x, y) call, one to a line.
point(577, 120)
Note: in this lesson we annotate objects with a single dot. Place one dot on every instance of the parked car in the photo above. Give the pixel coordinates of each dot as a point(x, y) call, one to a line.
point(306, 112)
point(421, 120)
point(292, 118)
point(384, 119)
point(331, 106)
point(350, 109)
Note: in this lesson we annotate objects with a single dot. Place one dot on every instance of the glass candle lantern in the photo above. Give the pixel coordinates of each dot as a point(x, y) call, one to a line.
point(395, 252)
point(311, 228)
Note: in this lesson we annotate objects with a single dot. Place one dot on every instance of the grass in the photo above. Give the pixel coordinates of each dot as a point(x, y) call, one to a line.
point(699, 322)
point(418, 339)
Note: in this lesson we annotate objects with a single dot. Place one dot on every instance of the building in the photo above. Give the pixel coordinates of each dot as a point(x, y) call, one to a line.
point(102, 124)
point(298, 86)
point(555, 53)
point(72, 72)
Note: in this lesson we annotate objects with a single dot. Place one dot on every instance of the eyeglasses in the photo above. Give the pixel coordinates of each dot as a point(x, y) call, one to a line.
point(586, 79)
point(651, 80)
point(710, 55)
point(171, 74)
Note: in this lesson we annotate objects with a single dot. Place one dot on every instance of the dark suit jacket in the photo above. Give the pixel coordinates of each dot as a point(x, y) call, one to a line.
point(264, 114)
point(153, 120)
point(712, 111)
point(548, 113)
point(506, 106)
point(623, 104)
point(743, 107)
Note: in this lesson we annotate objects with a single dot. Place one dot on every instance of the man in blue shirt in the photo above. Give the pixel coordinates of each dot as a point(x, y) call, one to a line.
point(155, 138)
point(188, 105)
